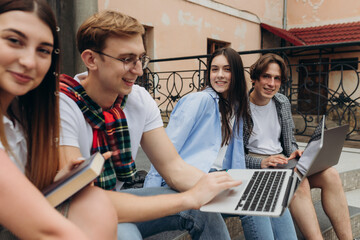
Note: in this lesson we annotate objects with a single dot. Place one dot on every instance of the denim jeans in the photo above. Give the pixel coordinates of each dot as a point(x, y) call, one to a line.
point(200, 225)
point(269, 228)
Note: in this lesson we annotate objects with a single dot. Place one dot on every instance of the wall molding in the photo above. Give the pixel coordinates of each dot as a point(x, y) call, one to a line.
point(227, 10)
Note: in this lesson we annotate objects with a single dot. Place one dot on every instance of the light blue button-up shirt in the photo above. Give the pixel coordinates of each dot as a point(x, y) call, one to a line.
point(195, 130)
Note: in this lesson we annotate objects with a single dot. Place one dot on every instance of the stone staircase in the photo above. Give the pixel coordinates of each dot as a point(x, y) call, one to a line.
point(349, 169)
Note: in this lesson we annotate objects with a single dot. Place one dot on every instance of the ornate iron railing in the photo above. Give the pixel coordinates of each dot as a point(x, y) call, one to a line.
point(313, 93)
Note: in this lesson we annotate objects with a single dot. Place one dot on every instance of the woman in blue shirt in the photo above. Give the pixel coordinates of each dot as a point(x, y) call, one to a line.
point(206, 129)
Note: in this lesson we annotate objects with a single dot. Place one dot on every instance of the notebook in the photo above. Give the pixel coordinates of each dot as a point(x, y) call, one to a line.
point(273, 194)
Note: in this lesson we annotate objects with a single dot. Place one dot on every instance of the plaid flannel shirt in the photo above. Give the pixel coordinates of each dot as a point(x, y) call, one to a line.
point(287, 138)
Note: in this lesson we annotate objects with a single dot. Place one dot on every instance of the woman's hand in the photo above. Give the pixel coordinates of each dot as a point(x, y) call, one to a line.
point(273, 161)
point(74, 163)
point(68, 167)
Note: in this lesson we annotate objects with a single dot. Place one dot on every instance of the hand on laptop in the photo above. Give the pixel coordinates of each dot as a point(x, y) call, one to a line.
point(209, 186)
point(273, 161)
point(296, 154)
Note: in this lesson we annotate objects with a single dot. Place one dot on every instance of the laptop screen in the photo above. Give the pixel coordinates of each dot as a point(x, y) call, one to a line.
point(312, 149)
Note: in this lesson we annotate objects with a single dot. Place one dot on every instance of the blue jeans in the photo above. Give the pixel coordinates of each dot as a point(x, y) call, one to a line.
point(268, 228)
point(200, 225)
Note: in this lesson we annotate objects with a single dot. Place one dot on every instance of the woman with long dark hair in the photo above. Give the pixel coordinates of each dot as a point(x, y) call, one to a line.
point(29, 133)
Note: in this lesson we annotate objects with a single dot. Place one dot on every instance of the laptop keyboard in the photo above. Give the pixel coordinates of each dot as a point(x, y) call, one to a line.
point(262, 192)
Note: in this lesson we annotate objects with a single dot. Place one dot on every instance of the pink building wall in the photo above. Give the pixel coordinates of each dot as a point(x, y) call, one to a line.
point(308, 13)
point(181, 28)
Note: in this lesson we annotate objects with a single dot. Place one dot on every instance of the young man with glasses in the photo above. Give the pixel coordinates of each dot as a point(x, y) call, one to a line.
point(102, 110)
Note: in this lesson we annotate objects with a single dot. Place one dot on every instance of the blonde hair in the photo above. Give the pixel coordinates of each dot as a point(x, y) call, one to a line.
point(93, 33)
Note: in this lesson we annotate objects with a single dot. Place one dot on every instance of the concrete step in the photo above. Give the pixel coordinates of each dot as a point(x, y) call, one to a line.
point(326, 227)
point(350, 181)
point(353, 198)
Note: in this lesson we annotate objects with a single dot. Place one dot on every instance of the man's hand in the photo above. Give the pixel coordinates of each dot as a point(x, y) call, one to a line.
point(273, 161)
point(296, 154)
point(209, 186)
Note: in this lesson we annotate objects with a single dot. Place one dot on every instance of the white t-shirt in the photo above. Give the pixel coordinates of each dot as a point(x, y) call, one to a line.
point(218, 163)
point(141, 111)
point(17, 143)
point(265, 138)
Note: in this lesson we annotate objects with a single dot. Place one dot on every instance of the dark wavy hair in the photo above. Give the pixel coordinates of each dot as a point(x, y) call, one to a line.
point(236, 102)
point(39, 108)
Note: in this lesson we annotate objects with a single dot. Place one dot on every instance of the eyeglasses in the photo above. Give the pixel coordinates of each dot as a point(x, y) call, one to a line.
point(130, 62)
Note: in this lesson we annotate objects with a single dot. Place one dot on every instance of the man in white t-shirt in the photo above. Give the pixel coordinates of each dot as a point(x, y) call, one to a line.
point(271, 142)
point(102, 110)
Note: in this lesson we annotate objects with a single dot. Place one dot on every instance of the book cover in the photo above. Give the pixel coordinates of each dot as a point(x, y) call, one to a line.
point(75, 180)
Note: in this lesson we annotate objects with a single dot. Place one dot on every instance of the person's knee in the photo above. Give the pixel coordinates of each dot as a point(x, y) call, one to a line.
point(303, 189)
point(92, 204)
point(331, 177)
point(101, 204)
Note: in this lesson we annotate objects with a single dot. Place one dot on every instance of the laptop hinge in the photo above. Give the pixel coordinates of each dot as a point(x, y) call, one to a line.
point(288, 188)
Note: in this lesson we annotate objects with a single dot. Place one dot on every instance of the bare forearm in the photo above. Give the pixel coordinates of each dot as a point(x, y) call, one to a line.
point(184, 177)
point(25, 211)
point(131, 208)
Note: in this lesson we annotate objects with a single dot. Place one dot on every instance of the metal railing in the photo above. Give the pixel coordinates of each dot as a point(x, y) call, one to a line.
point(324, 91)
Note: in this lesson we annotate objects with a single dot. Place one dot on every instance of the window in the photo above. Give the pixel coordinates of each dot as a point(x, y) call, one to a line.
point(213, 45)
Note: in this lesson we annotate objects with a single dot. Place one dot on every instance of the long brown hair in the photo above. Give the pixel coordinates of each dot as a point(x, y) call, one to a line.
point(236, 102)
point(39, 108)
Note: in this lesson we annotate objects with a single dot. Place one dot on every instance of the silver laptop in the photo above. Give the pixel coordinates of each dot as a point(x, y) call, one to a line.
point(330, 152)
point(267, 192)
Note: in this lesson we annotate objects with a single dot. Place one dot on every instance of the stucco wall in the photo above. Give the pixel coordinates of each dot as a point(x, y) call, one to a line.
point(268, 11)
point(181, 28)
point(307, 13)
